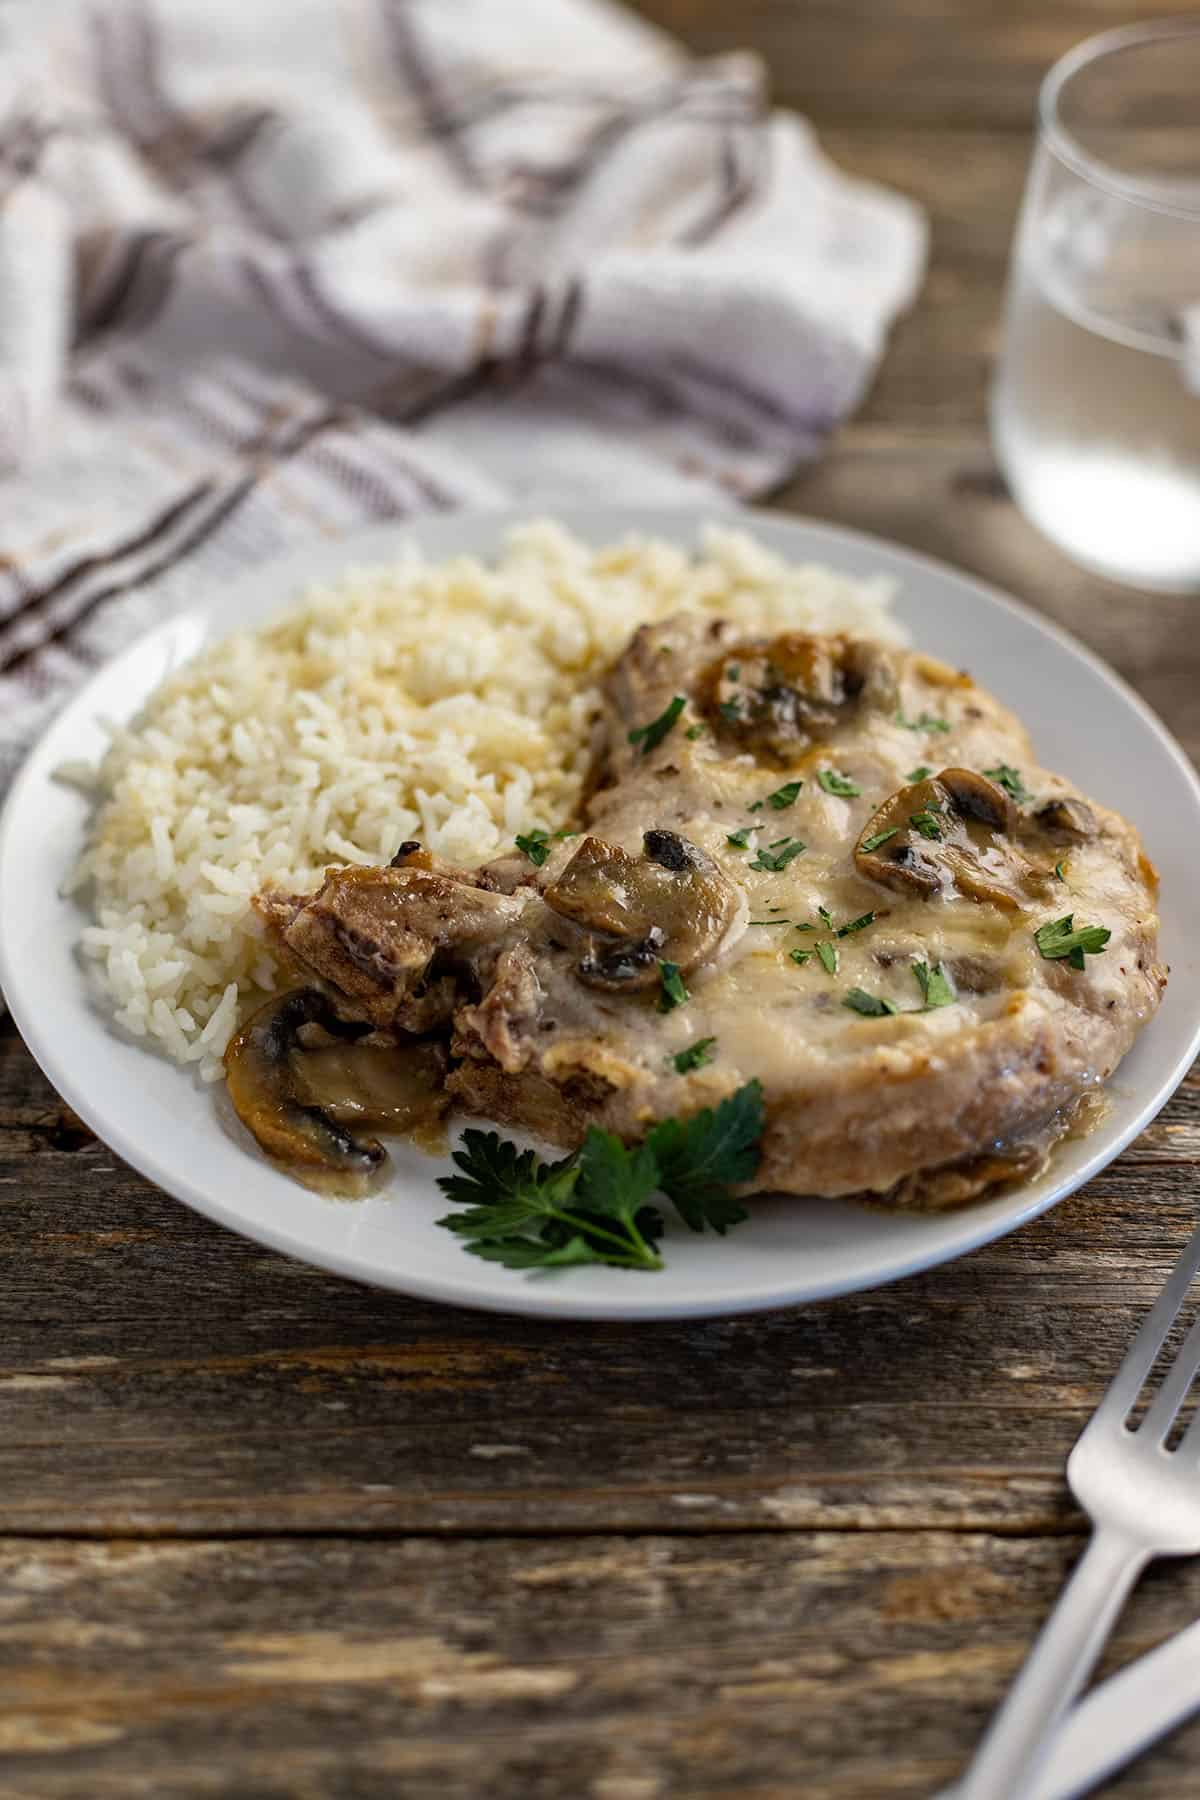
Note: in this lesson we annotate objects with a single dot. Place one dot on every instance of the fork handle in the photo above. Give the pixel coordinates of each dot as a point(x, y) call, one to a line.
point(1021, 1734)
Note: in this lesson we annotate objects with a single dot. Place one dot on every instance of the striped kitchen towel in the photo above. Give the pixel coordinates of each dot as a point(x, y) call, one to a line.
point(274, 269)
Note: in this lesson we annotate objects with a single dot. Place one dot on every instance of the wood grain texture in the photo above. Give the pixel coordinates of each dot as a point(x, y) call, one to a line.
point(266, 1534)
point(614, 1669)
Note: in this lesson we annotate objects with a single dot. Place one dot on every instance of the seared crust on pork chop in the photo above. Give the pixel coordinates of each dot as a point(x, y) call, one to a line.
point(555, 982)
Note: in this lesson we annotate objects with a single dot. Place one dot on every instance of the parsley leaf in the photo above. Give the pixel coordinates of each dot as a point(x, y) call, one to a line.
point(528, 1214)
point(594, 1206)
point(926, 823)
point(859, 1001)
point(700, 1158)
point(776, 859)
point(673, 991)
point(731, 710)
point(739, 838)
point(934, 985)
point(1062, 938)
point(694, 1057)
point(923, 722)
point(1058, 871)
point(694, 732)
point(922, 772)
point(829, 956)
point(833, 783)
point(859, 924)
point(877, 838)
point(536, 845)
point(651, 736)
point(1010, 780)
point(801, 956)
point(785, 795)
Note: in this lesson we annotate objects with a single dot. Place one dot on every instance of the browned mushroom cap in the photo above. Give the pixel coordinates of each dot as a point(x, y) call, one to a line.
point(1066, 820)
point(776, 695)
point(627, 912)
point(950, 832)
point(297, 1102)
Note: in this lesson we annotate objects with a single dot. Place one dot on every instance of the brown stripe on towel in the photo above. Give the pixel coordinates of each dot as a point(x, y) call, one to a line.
point(438, 118)
point(267, 460)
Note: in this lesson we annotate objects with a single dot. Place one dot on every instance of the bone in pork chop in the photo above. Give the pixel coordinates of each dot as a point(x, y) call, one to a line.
point(832, 859)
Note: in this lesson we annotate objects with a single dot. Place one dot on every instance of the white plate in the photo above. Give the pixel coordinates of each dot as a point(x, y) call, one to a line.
point(1085, 722)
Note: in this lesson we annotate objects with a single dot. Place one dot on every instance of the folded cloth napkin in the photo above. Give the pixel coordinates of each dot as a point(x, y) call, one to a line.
point(273, 269)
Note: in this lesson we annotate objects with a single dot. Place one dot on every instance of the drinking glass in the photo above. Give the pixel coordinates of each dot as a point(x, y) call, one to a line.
point(1096, 404)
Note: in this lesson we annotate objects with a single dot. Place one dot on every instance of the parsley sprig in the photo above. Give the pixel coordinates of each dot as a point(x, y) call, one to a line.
point(594, 1207)
point(1062, 938)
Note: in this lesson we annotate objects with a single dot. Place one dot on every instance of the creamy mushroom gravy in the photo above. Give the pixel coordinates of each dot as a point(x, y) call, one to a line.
point(780, 824)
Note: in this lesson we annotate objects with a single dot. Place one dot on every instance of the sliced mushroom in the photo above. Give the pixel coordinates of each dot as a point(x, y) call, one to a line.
point(937, 1190)
point(776, 695)
point(298, 1101)
point(628, 913)
point(950, 832)
point(1066, 820)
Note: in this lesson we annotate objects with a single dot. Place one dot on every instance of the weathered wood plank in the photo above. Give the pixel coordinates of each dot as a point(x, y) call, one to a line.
point(837, 1668)
point(943, 63)
point(158, 1375)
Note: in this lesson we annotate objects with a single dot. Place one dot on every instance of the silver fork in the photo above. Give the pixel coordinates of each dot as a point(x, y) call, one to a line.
point(1144, 1501)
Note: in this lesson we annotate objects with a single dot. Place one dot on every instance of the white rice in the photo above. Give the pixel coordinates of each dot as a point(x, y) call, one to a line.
point(449, 702)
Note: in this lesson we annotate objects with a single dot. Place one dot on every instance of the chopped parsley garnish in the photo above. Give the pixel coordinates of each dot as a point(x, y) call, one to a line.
point(934, 985)
point(801, 956)
point(1062, 938)
point(859, 1001)
point(784, 796)
point(833, 783)
point(739, 838)
point(859, 924)
point(826, 917)
point(694, 1057)
point(673, 991)
point(828, 954)
point(731, 710)
point(594, 1206)
point(926, 823)
point(877, 838)
point(768, 921)
point(922, 772)
point(536, 844)
point(1058, 870)
point(651, 736)
point(694, 731)
point(776, 858)
point(1010, 780)
point(923, 722)
point(701, 1158)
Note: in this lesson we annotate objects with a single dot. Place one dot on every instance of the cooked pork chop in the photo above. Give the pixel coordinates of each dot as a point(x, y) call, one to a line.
point(561, 987)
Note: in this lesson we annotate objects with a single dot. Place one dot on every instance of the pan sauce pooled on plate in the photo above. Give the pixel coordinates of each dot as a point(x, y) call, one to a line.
point(815, 862)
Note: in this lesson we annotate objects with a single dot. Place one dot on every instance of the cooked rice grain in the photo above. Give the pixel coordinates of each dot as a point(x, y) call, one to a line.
point(450, 702)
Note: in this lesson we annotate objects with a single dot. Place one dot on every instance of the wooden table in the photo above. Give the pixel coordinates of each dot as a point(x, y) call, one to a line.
point(263, 1533)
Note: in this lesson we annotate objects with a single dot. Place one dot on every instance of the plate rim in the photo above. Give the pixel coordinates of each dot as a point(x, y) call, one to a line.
point(557, 1302)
